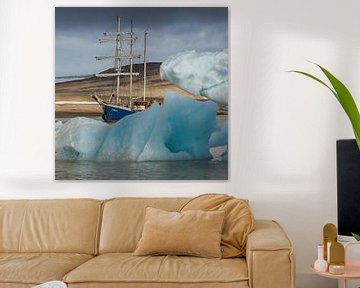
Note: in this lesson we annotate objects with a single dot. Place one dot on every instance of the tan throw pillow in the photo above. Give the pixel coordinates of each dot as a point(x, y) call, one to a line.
point(196, 233)
point(239, 220)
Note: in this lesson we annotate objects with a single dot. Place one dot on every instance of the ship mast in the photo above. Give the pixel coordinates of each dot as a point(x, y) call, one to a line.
point(132, 39)
point(118, 60)
point(145, 43)
point(118, 36)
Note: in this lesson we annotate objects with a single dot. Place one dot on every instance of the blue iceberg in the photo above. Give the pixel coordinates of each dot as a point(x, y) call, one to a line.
point(219, 137)
point(200, 73)
point(179, 129)
point(79, 138)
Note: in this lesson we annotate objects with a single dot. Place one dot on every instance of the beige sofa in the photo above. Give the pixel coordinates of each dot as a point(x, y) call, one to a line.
point(89, 243)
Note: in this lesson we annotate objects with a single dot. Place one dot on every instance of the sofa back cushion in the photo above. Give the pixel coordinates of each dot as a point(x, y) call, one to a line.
point(238, 224)
point(193, 232)
point(67, 226)
point(123, 220)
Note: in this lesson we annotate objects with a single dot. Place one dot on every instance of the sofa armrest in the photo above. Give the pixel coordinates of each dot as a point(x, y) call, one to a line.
point(269, 256)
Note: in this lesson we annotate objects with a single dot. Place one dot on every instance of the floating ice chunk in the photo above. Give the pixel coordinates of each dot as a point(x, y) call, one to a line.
point(182, 130)
point(127, 138)
point(218, 92)
point(179, 129)
point(224, 156)
point(58, 125)
point(200, 73)
point(217, 152)
point(220, 135)
point(79, 139)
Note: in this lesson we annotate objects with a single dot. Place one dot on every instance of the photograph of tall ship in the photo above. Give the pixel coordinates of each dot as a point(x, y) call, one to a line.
point(124, 51)
point(153, 103)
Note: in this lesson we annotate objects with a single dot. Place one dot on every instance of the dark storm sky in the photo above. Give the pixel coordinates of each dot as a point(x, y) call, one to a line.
point(171, 30)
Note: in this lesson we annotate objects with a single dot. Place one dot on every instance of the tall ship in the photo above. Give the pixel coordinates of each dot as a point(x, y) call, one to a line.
point(119, 106)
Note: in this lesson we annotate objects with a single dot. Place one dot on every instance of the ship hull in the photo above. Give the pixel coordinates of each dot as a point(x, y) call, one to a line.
point(114, 113)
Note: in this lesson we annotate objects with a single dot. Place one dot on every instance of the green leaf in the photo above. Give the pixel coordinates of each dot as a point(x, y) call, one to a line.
point(357, 237)
point(344, 97)
point(347, 102)
point(316, 79)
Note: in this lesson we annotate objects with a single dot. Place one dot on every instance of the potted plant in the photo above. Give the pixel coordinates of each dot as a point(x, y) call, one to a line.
point(346, 100)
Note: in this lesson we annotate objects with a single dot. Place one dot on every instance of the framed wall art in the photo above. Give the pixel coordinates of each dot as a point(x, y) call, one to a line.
point(141, 93)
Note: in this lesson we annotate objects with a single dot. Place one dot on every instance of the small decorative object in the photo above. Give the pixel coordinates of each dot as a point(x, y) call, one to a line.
point(328, 251)
point(320, 264)
point(330, 236)
point(337, 258)
point(336, 269)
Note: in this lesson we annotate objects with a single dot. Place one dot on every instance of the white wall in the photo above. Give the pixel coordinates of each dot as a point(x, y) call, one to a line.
point(283, 126)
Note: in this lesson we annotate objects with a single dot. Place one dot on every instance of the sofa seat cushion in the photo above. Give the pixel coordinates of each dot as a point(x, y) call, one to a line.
point(36, 268)
point(242, 284)
point(125, 267)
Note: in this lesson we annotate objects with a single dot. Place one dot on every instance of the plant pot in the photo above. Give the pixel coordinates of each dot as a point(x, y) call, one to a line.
point(348, 183)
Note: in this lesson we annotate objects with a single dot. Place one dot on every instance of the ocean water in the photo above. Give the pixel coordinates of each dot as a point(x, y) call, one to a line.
point(159, 170)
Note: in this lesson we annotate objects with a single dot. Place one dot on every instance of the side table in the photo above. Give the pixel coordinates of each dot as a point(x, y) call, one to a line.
point(352, 269)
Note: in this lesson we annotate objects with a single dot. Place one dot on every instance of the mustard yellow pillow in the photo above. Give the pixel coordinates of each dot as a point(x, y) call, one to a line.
point(238, 223)
point(193, 232)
